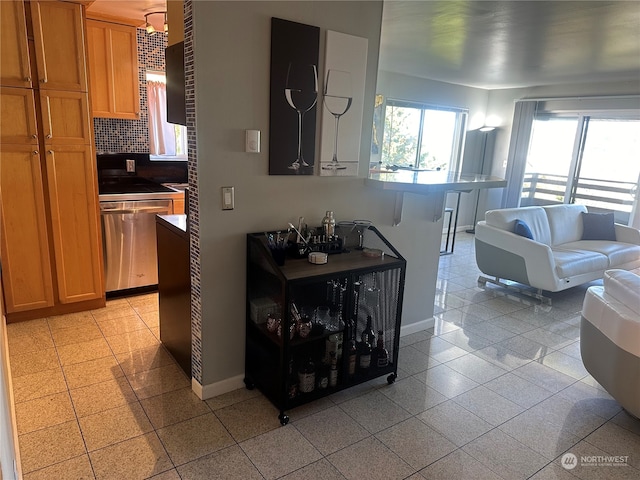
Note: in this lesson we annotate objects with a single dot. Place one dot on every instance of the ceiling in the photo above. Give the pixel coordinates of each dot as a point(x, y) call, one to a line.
point(490, 44)
point(504, 44)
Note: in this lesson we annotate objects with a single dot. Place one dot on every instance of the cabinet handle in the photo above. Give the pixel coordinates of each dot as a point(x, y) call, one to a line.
point(48, 135)
point(36, 152)
point(34, 136)
point(44, 80)
point(27, 79)
point(50, 152)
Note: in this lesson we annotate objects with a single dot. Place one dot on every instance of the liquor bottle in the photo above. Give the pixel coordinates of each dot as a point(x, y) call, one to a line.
point(368, 335)
point(353, 354)
point(307, 377)
point(323, 377)
point(364, 362)
point(293, 382)
point(381, 353)
point(333, 373)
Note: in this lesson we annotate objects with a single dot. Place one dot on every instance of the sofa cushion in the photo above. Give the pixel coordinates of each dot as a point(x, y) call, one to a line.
point(624, 286)
point(534, 217)
point(522, 229)
point(618, 253)
point(578, 262)
point(598, 226)
point(565, 223)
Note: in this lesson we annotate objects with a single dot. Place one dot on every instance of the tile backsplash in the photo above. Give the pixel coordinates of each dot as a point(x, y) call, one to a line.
point(132, 136)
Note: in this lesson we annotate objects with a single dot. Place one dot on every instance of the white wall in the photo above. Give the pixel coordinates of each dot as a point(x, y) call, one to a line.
point(232, 64)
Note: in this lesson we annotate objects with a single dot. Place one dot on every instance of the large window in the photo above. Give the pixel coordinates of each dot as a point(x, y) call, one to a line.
point(592, 160)
point(422, 136)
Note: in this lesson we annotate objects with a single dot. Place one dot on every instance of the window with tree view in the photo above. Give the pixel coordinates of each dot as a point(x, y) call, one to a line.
point(422, 137)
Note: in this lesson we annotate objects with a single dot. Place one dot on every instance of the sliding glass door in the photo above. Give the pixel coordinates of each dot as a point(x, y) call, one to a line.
point(583, 159)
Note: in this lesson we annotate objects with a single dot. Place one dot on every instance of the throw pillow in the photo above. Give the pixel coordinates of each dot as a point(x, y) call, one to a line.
point(598, 226)
point(522, 229)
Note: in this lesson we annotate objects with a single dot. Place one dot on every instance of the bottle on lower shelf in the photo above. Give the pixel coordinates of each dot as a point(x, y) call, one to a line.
point(307, 377)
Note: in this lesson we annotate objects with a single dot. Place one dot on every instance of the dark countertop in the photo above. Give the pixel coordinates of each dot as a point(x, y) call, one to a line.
point(426, 182)
point(175, 223)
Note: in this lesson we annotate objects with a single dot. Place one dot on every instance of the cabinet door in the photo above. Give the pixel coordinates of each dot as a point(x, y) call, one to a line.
point(59, 45)
point(17, 116)
point(113, 67)
point(75, 222)
point(65, 117)
point(15, 69)
point(26, 264)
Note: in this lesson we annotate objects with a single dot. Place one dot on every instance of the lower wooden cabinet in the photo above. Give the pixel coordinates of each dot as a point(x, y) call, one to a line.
point(26, 262)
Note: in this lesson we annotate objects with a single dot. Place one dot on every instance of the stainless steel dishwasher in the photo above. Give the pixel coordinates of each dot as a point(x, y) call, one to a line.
point(129, 237)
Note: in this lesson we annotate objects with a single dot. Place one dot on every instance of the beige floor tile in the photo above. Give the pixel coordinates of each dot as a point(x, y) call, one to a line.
point(591, 399)
point(565, 414)
point(518, 390)
point(230, 463)
point(30, 342)
point(134, 459)
point(112, 426)
point(168, 475)
point(83, 351)
point(616, 440)
point(488, 405)
point(28, 363)
point(102, 396)
point(454, 422)
point(446, 381)
point(29, 327)
point(77, 468)
point(553, 472)
point(144, 302)
point(476, 368)
point(280, 451)
point(590, 469)
point(173, 407)
point(249, 418)
point(36, 385)
point(416, 443)
point(155, 331)
point(229, 398)
point(374, 411)
point(92, 371)
point(49, 446)
point(412, 395)
point(131, 341)
point(117, 326)
point(194, 438)
point(145, 359)
point(369, 459)
point(44, 412)
point(159, 380)
point(565, 364)
point(625, 420)
point(331, 430)
point(310, 408)
point(69, 320)
point(545, 377)
point(501, 453)
point(458, 465)
point(113, 310)
point(320, 470)
point(82, 333)
point(150, 317)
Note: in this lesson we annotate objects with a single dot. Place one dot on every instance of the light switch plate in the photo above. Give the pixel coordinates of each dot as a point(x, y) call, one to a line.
point(228, 198)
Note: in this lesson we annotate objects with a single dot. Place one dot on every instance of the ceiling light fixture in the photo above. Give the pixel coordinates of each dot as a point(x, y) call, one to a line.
point(150, 28)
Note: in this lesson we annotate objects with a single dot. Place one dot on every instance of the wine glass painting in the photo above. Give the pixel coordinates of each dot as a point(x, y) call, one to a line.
point(337, 100)
point(342, 104)
point(301, 93)
point(294, 96)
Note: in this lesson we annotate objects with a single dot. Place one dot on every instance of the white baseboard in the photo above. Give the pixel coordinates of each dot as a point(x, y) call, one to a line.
point(214, 389)
point(417, 326)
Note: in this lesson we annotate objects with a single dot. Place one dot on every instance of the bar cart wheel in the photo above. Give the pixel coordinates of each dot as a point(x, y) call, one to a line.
point(392, 378)
point(284, 419)
point(249, 383)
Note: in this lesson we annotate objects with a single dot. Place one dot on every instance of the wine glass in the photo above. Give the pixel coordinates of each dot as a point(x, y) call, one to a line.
point(301, 92)
point(361, 226)
point(337, 99)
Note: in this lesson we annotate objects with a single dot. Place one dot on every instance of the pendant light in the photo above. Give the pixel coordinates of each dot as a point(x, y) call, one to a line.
point(150, 28)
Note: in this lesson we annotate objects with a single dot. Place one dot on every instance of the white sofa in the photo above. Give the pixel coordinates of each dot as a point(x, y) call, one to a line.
point(610, 336)
point(556, 258)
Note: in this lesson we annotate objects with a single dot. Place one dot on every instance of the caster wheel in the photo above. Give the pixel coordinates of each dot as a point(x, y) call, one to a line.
point(391, 378)
point(284, 419)
point(249, 384)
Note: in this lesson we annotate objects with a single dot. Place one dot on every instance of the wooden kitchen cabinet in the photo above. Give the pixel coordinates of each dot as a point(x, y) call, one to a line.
point(58, 33)
point(72, 183)
point(113, 68)
point(26, 263)
point(18, 116)
point(15, 67)
point(65, 117)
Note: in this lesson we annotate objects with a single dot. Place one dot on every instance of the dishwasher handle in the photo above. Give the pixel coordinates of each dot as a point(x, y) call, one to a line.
point(129, 211)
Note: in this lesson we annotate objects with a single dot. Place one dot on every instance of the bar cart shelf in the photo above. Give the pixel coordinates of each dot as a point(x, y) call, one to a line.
point(305, 322)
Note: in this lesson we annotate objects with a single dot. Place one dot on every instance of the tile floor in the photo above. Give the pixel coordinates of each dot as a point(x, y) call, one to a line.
point(496, 390)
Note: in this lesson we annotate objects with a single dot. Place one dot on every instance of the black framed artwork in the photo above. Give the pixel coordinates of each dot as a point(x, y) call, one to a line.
point(294, 97)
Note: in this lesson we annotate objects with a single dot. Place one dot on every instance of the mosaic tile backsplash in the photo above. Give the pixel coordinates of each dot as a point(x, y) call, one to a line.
point(132, 136)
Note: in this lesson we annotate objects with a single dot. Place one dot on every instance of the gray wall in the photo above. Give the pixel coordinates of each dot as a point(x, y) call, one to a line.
point(232, 94)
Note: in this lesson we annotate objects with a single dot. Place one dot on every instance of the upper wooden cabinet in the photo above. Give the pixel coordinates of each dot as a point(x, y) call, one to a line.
point(59, 45)
point(15, 68)
point(17, 116)
point(65, 117)
point(113, 70)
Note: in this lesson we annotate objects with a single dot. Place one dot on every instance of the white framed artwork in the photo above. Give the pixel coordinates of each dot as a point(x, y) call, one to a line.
point(342, 104)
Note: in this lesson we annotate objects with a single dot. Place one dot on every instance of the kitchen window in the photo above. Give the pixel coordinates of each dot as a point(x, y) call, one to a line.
point(167, 141)
point(420, 136)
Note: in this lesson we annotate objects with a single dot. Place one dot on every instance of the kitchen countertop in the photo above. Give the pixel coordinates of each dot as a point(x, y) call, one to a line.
point(176, 223)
